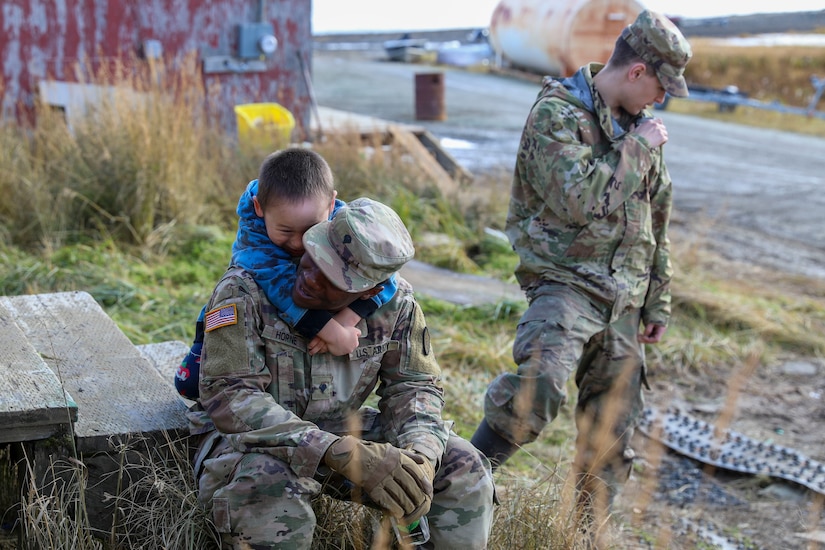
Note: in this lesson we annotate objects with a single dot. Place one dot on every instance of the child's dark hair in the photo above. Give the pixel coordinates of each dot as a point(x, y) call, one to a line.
point(294, 174)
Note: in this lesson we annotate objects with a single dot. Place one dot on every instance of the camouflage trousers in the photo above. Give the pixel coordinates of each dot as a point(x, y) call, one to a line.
point(258, 502)
point(562, 332)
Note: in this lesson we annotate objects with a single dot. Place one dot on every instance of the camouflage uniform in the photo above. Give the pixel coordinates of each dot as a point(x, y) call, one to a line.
point(588, 217)
point(269, 411)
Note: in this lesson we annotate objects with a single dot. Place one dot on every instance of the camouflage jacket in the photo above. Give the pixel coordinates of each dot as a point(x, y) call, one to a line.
point(261, 389)
point(590, 203)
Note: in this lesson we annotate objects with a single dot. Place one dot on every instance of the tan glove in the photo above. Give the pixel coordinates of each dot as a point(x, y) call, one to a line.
point(393, 478)
point(426, 466)
point(426, 472)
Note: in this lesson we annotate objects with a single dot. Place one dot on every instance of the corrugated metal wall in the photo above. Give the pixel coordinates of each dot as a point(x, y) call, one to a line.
point(63, 39)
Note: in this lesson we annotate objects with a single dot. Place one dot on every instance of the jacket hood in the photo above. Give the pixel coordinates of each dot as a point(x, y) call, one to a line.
point(578, 90)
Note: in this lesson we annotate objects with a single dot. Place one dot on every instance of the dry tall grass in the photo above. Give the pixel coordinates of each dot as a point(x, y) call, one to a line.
point(144, 156)
point(766, 73)
point(158, 509)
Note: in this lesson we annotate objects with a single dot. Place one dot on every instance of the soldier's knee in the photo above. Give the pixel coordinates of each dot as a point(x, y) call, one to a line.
point(465, 470)
point(461, 457)
point(265, 504)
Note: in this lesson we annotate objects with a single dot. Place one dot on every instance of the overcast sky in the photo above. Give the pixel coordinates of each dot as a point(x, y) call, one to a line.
point(389, 15)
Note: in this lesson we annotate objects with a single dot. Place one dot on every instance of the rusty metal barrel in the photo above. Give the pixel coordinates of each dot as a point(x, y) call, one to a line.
point(556, 37)
point(429, 97)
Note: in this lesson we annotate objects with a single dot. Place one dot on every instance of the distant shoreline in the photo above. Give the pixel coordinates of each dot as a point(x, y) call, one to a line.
point(759, 23)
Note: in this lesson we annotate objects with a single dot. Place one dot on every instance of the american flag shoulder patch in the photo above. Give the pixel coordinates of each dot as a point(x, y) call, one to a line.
point(220, 317)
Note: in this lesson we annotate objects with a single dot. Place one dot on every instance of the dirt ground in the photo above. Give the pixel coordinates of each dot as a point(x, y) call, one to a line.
point(751, 196)
point(780, 403)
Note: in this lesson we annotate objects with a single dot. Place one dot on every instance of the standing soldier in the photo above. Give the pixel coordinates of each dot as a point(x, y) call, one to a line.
point(588, 217)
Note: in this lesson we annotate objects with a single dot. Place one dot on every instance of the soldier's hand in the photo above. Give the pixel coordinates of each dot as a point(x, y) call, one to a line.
point(391, 477)
point(653, 130)
point(426, 472)
point(652, 334)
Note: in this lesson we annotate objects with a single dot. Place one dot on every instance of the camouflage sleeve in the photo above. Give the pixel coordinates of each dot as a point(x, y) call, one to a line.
point(578, 185)
point(235, 376)
point(411, 394)
point(657, 302)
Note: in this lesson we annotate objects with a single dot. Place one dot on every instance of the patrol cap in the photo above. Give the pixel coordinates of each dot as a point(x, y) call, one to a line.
point(362, 246)
point(659, 43)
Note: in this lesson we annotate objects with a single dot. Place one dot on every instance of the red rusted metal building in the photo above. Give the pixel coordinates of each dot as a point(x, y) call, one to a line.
point(255, 50)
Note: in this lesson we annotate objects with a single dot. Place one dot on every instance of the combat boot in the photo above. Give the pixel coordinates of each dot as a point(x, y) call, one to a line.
point(495, 448)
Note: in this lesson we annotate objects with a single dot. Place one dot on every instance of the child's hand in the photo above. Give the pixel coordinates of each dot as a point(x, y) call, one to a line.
point(347, 342)
point(347, 318)
point(335, 339)
point(317, 345)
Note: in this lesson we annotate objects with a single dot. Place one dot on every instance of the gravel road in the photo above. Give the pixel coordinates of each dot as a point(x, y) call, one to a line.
point(756, 195)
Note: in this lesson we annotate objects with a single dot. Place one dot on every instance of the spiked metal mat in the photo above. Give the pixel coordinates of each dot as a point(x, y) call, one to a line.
point(730, 450)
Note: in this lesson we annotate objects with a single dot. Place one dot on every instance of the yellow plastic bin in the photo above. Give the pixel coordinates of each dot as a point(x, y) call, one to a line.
point(264, 125)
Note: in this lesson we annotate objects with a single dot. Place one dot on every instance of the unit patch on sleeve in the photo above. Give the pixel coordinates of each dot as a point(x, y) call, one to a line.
point(220, 317)
point(420, 358)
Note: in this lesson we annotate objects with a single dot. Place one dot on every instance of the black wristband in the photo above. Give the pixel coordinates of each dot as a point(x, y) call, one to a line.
point(364, 308)
point(312, 322)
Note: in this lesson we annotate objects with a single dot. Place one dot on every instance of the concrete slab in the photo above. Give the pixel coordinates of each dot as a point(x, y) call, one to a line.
point(118, 392)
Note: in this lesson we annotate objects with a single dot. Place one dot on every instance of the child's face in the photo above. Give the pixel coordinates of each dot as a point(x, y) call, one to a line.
point(286, 221)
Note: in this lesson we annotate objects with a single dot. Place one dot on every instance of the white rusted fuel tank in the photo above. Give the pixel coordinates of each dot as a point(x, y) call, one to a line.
point(556, 37)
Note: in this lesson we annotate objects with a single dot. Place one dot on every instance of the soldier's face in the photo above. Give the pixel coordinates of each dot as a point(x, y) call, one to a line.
point(648, 91)
point(313, 290)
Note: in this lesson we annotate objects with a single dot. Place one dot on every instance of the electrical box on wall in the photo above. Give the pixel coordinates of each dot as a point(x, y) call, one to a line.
point(256, 40)
point(256, 43)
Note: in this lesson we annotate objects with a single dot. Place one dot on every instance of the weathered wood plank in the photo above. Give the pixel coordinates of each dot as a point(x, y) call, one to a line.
point(117, 390)
point(443, 157)
point(166, 357)
point(423, 159)
point(32, 403)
